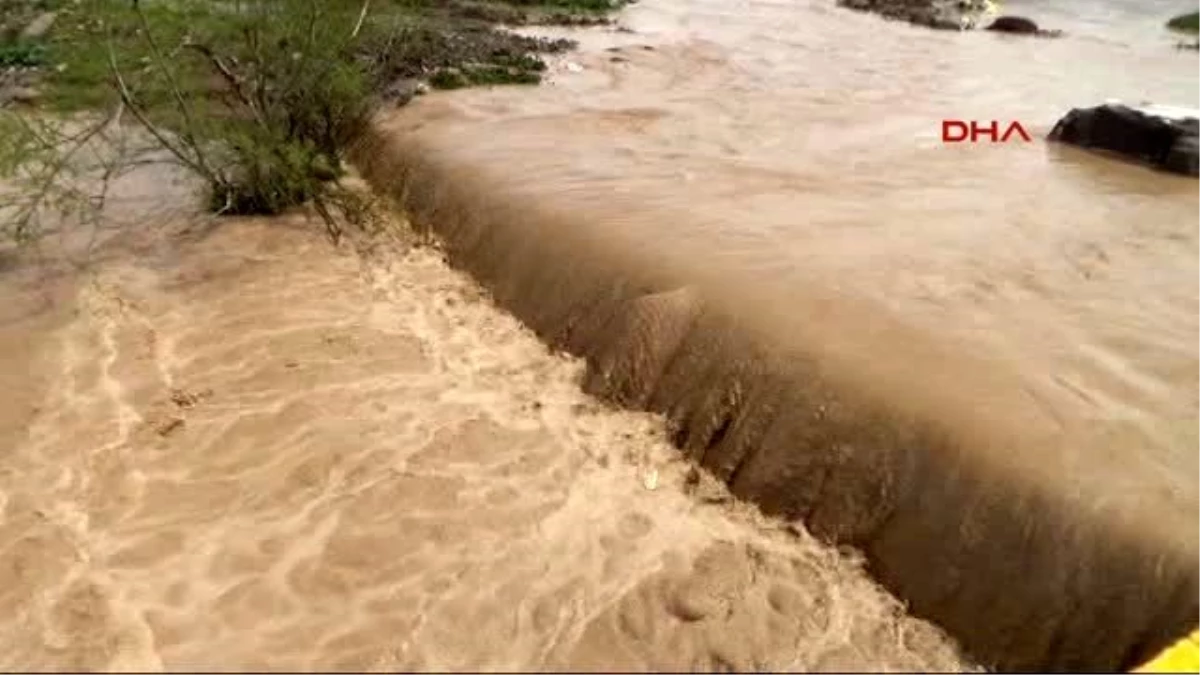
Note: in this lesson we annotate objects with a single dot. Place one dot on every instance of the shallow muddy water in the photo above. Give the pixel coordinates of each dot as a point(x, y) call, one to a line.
point(243, 450)
point(246, 450)
point(780, 145)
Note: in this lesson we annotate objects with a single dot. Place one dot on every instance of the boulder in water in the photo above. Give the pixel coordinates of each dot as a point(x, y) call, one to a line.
point(1020, 25)
point(1169, 143)
point(1014, 24)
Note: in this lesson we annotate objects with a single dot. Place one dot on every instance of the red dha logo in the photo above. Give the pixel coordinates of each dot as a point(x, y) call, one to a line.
point(957, 131)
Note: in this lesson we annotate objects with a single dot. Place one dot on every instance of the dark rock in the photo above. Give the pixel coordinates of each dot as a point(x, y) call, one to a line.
point(936, 14)
point(1182, 158)
point(1014, 24)
point(1019, 25)
point(1168, 144)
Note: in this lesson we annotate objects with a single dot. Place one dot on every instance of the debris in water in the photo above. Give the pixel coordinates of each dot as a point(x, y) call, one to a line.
point(186, 399)
point(170, 426)
point(574, 67)
point(651, 480)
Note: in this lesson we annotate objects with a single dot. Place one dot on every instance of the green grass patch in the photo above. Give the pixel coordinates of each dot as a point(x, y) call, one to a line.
point(485, 75)
point(1185, 23)
point(257, 98)
point(407, 38)
point(79, 45)
point(22, 54)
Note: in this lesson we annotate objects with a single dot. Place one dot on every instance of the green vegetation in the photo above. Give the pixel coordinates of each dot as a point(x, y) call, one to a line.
point(258, 98)
point(401, 38)
point(504, 69)
point(26, 54)
point(1185, 23)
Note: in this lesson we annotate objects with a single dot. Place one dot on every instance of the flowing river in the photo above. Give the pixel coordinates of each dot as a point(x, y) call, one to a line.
point(240, 449)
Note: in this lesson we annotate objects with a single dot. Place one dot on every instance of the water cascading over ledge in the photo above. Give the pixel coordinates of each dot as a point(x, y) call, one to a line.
point(1022, 534)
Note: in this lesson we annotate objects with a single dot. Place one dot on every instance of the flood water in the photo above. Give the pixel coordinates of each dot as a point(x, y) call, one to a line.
point(793, 144)
point(244, 450)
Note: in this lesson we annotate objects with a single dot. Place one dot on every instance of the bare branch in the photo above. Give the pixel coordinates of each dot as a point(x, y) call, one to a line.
point(159, 136)
point(235, 82)
point(188, 131)
point(51, 181)
point(362, 15)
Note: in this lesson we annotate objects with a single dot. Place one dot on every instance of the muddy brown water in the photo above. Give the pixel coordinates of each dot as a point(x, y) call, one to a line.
point(239, 449)
point(980, 359)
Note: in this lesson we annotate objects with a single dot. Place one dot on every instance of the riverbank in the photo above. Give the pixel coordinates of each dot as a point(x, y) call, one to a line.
point(54, 53)
point(937, 14)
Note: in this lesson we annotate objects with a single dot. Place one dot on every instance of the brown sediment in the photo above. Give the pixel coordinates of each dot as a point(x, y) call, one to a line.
point(1029, 535)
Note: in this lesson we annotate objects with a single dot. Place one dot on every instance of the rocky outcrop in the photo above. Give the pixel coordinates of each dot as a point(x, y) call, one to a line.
point(1167, 143)
point(1014, 24)
point(938, 14)
point(949, 15)
point(1020, 25)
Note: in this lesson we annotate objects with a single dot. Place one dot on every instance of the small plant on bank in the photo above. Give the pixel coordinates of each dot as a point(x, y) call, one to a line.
point(258, 98)
point(22, 54)
point(1185, 23)
point(266, 123)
